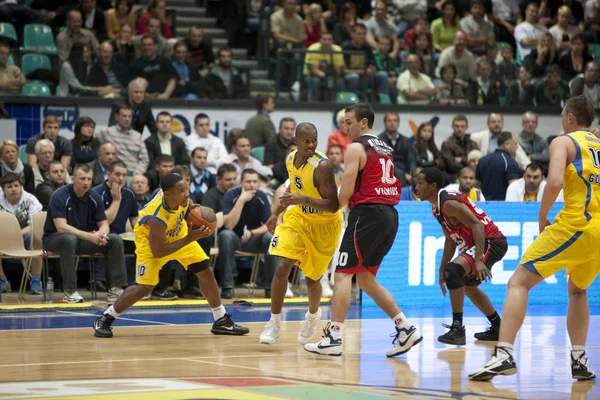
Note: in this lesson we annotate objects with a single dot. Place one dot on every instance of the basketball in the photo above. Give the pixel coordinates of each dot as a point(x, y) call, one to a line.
point(202, 216)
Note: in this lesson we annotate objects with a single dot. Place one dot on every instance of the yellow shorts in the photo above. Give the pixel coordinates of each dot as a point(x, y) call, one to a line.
point(148, 267)
point(313, 245)
point(560, 247)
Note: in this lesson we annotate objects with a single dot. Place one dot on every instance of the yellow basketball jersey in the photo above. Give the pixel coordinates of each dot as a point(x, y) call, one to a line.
point(174, 220)
point(302, 181)
point(581, 181)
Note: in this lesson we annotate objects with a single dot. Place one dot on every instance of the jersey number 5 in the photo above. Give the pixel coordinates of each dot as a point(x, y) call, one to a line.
point(387, 171)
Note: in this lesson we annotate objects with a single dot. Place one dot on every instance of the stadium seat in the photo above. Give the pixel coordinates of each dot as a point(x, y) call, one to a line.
point(385, 98)
point(36, 88)
point(8, 33)
point(502, 100)
point(23, 154)
point(259, 153)
point(346, 98)
point(38, 38)
point(31, 62)
point(595, 51)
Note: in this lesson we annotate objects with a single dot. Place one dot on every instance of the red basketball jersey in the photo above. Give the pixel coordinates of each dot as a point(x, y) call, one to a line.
point(462, 234)
point(376, 183)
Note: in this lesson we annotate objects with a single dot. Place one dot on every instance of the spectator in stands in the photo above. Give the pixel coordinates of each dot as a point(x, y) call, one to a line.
point(156, 9)
point(16, 201)
point(93, 19)
point(260, 128)
point(379, 24)
point(457, 147)
point(124, 52)
point(573, 62)
point(105, 75)
point(483, 89)
point(55, 179)
point(521, 92)
point(287, 26)
point(162, 46)
point(201, 179)
point(535, 146)
point(473, 159)
point(240, 156)
point(336, 158)
point(343, 28)
point(44, 152)
point(542, 56)
point(421, 47)
point(592, 21)
point(10, 163)
point(190, 83)
point(404, 156)
point(444, 29)
point(226, 177)
point(504, 16)
point(360, 68)
point(426, 151)
point(232, 136)
point(142, 112)
point(85, 145)
point(563, 31)
point(323, 72)
point(507, 71)
point(76, 225)
point(466, 185)
point(551, 91)
point(276, 147)
point(385, 63)
point(63, 150)
point(139, 185)
point(20, 14)
point(245, 213)
point(460, 57)
point(164, 142)
point(420, 28)
point(341, 135)
point(314, 24)
point(487, 140)
point(224, 80)
point(550, 10)
point(479, 32)
point(199, 50)
point(408, 192)
point(530, 187)
point(130, 146)
point(450, 89)
point(118, 17)
point(280, 172)
point(157, 70)
point(203, 138)
point(11, 78)
point(74, 34)
point(529, 32)
point(74, 72)
point(163, 165)
point(106, 155)
point(414, 87)
point(497, 170)
point(588, 85)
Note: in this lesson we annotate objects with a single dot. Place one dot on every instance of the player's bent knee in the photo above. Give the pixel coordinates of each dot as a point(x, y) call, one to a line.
point(454, 276)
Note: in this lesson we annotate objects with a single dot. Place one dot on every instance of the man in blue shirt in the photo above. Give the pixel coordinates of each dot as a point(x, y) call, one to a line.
point(408, 192)
point(245, 213)
point(76, 224)
point(499, 169)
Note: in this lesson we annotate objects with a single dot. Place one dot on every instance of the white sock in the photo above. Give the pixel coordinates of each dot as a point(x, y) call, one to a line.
point(401, 321)
point(507, 346)
point(577, 351)
point(312, 316)
point(111, 311)
point(336, 329)
point(276, 317)
point(218, 312)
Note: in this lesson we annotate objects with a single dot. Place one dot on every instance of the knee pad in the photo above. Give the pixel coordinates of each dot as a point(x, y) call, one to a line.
point(454, 275)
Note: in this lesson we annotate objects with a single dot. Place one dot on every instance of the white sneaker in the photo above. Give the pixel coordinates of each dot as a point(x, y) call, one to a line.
point(271, 333)
point(326, 289)
point(72, 298)
point(289, 294)
point(404, 340)
point(327, 345)
point(113, 294)
point(309, 327)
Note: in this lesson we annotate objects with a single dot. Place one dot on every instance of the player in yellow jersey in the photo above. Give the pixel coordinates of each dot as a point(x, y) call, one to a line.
point(571, 242)
point(162, 235)
point(309, 233)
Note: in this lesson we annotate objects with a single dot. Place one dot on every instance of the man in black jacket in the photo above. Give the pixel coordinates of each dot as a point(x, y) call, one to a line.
point(142, 112)
point(55, 178)
point(404, 156)
point(104, 73)
point(153, 143)
point(225, 81)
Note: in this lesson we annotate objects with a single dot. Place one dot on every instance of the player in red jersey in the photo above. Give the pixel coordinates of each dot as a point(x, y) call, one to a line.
point(371, 191)
point(481, 245)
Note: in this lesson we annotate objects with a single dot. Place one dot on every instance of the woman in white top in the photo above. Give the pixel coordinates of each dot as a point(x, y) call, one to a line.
point(563, 31)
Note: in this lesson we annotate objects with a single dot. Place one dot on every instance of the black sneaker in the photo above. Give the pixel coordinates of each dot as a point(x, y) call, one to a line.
point(579, 369)
point(490, 334)
point(501, 363)
point(165, 295)
point(227, 293)
point(193, 293)
point(102, 326)
point(456, 335)
point(226, 326)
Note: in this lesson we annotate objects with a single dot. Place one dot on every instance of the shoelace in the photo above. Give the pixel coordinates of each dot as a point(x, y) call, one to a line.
point(395, 336)
point(451, 327)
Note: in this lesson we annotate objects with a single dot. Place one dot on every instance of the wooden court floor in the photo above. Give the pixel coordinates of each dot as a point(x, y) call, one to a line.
point(152, 359)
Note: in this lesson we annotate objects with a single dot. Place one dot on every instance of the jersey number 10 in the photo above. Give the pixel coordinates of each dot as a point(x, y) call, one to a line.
point(387, 171)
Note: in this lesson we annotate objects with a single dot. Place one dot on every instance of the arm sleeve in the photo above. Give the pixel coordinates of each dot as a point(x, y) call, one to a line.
point(99, 214)
point(227, 202)
point(68, 147)
point(58, 206)
point(265, 212)
point(30, 147)
point(512, 171)
point(143, 161)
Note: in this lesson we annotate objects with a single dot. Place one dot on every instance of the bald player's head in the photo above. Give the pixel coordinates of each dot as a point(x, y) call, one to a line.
point(305, 129)
point(306, 139)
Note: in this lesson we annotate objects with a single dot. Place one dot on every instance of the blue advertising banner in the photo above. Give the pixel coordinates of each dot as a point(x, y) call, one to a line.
point(410, 270)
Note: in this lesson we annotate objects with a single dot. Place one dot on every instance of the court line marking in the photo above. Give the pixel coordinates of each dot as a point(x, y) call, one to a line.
point(121, 318)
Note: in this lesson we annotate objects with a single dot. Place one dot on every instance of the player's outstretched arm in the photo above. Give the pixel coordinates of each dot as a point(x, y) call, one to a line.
point(325, 184)
point(461, 212)
point(157, 239)
point(352, 158)
point(559, 155)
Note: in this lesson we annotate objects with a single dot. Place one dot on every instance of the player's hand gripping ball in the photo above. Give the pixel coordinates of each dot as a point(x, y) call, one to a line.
point(202, 216)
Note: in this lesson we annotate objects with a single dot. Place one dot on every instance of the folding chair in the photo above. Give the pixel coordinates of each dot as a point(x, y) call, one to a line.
point(214, 251)
point(254, 271)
